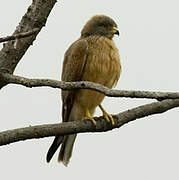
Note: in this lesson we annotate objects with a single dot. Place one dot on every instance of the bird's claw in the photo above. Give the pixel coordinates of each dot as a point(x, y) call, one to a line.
point(88, 115)
point(107, 117)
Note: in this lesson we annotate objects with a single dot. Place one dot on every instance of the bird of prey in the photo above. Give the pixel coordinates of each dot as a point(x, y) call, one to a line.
point(93, 57)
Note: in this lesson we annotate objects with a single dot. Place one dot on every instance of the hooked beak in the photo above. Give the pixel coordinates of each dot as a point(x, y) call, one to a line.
point(115, 31)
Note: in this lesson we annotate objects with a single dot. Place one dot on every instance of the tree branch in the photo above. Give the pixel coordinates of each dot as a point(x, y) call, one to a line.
point(35, 17)
point(20, 35)
point(83, 126)
point(8, 78)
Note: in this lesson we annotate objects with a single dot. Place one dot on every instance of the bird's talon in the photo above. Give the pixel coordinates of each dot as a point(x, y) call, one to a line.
point(107, 116)
point(93, 121)
point(88, 115)
point(111, 119)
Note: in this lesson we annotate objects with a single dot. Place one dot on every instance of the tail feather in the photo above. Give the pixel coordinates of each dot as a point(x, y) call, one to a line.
point(66, 149)
point(56, 143)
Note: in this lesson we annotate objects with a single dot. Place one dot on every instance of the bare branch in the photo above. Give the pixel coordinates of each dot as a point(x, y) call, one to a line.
point(83, 126)
point(35, 17)
point(8, 78)
point(20, 35)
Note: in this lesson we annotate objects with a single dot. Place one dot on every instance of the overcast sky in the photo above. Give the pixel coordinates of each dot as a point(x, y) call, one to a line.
point(146, 149)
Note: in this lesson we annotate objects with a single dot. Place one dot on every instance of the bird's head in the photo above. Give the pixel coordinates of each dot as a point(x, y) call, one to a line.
point(100, 25)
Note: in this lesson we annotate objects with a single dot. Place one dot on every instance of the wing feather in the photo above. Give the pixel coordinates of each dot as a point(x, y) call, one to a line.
point(73, 65)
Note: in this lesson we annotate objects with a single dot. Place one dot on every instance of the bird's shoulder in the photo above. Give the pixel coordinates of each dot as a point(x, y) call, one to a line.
point(78, 47)
point(74, 60)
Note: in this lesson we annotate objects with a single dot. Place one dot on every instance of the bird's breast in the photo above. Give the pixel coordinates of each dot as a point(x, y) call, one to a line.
point(103, 67)
point(103, 62)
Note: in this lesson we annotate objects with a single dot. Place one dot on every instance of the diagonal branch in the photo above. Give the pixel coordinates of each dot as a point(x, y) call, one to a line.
point(83, 126)
point(19, 35)
point(35, 17)
point(8, 78)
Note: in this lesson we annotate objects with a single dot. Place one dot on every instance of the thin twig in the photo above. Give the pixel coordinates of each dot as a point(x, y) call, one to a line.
point(8, 78)
point(20, 35)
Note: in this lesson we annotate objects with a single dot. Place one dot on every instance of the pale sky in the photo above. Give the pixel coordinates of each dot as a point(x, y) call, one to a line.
point(146, 149)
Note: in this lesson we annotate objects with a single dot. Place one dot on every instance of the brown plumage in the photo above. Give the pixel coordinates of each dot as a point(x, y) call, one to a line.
point(93, 57)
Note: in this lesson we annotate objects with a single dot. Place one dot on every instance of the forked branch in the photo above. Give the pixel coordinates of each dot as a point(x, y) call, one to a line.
point(19, 36)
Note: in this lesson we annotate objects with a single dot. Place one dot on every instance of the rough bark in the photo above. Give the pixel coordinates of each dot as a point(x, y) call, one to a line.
point(35, 17)
point(102, 125)
point(8, 78)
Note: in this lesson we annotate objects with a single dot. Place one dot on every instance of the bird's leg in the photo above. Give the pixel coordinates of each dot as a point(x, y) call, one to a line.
point(107, 116)
point(88, 115)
